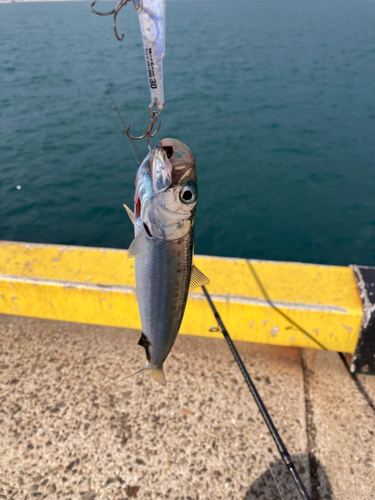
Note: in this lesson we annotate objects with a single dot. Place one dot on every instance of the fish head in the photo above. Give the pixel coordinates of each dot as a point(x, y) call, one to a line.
point(166, 191)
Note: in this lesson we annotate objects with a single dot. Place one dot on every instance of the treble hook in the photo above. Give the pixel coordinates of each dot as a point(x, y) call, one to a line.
point(148, 133)
point(114, 11)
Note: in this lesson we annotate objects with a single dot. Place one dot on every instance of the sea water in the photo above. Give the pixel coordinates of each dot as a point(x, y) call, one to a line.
point(275, 98)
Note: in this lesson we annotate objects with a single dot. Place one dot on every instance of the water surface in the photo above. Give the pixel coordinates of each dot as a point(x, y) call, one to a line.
point(276, 99)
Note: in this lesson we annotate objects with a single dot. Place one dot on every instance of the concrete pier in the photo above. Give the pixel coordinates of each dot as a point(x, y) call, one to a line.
point(68, 431)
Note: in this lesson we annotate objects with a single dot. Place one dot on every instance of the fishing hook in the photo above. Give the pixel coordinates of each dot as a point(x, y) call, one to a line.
point(114, 11)
point(148, 133)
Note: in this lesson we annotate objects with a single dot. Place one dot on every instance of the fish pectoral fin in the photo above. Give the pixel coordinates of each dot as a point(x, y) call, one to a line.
point(158, 375)
point(130, 213)
point(197, 279)
point(138, 247)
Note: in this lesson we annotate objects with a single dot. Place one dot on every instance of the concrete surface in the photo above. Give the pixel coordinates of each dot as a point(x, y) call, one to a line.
point(344, 426)
point(67, 431)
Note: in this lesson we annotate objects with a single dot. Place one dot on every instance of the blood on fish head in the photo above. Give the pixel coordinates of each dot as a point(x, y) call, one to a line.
point(166, 190)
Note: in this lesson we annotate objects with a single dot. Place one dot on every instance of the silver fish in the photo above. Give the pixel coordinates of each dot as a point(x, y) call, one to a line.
point(164, 209)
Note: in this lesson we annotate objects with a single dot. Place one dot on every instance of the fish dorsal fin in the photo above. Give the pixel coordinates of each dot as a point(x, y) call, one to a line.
point(130, 213)
point(197, 279)
point(138, 247)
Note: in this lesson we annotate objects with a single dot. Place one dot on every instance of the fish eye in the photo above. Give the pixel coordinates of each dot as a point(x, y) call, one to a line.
point(188, 195)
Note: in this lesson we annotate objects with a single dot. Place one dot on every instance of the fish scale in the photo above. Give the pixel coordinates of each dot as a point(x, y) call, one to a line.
point(165, 275)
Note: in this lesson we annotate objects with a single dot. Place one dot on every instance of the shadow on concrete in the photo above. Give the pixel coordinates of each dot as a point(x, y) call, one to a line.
point(279, 311)
point(358, 383)
point(277, 484)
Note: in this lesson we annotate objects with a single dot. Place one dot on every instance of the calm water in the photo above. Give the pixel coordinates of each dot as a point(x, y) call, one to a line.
point(275, 98)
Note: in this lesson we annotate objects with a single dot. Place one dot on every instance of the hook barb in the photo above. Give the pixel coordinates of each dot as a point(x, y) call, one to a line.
point(117, 9)
point(148, 133)
point(156, 131)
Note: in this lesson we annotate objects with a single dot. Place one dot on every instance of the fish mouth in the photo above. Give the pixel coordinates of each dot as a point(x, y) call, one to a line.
point(161, 170)
point(171, 162)
point(168, 151)
point(180, 158)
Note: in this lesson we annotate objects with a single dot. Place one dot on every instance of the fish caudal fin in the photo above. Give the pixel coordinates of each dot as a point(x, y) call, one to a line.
point(144, 369)
point(158, 375)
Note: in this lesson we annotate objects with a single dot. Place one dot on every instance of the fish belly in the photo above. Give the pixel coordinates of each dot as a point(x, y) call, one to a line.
point(162, 282)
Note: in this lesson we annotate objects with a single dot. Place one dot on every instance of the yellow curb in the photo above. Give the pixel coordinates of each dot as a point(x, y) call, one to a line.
point(276, 303)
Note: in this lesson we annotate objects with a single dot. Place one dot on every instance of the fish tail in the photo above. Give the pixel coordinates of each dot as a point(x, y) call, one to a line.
point(145, 368)
point(156, 373)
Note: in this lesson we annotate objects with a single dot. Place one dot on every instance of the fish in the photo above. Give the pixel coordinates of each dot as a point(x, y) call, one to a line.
point(164, 211)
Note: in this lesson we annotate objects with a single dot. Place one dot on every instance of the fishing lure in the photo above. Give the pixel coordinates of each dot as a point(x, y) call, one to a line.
point(151, 14)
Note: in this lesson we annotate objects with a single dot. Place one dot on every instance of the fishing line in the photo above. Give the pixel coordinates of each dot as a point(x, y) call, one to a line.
point(271, 427)
point(277, 486)
point(125, 127)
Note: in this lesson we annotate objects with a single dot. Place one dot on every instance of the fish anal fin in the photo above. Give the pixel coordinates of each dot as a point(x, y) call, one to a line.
point(197, 278)
point(158, 375)
point(138, 247)
point(145, 343)
point(130, 213)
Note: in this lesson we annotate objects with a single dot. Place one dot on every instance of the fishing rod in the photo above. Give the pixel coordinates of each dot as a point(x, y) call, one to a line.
point(271, 426)
point(125, 127)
